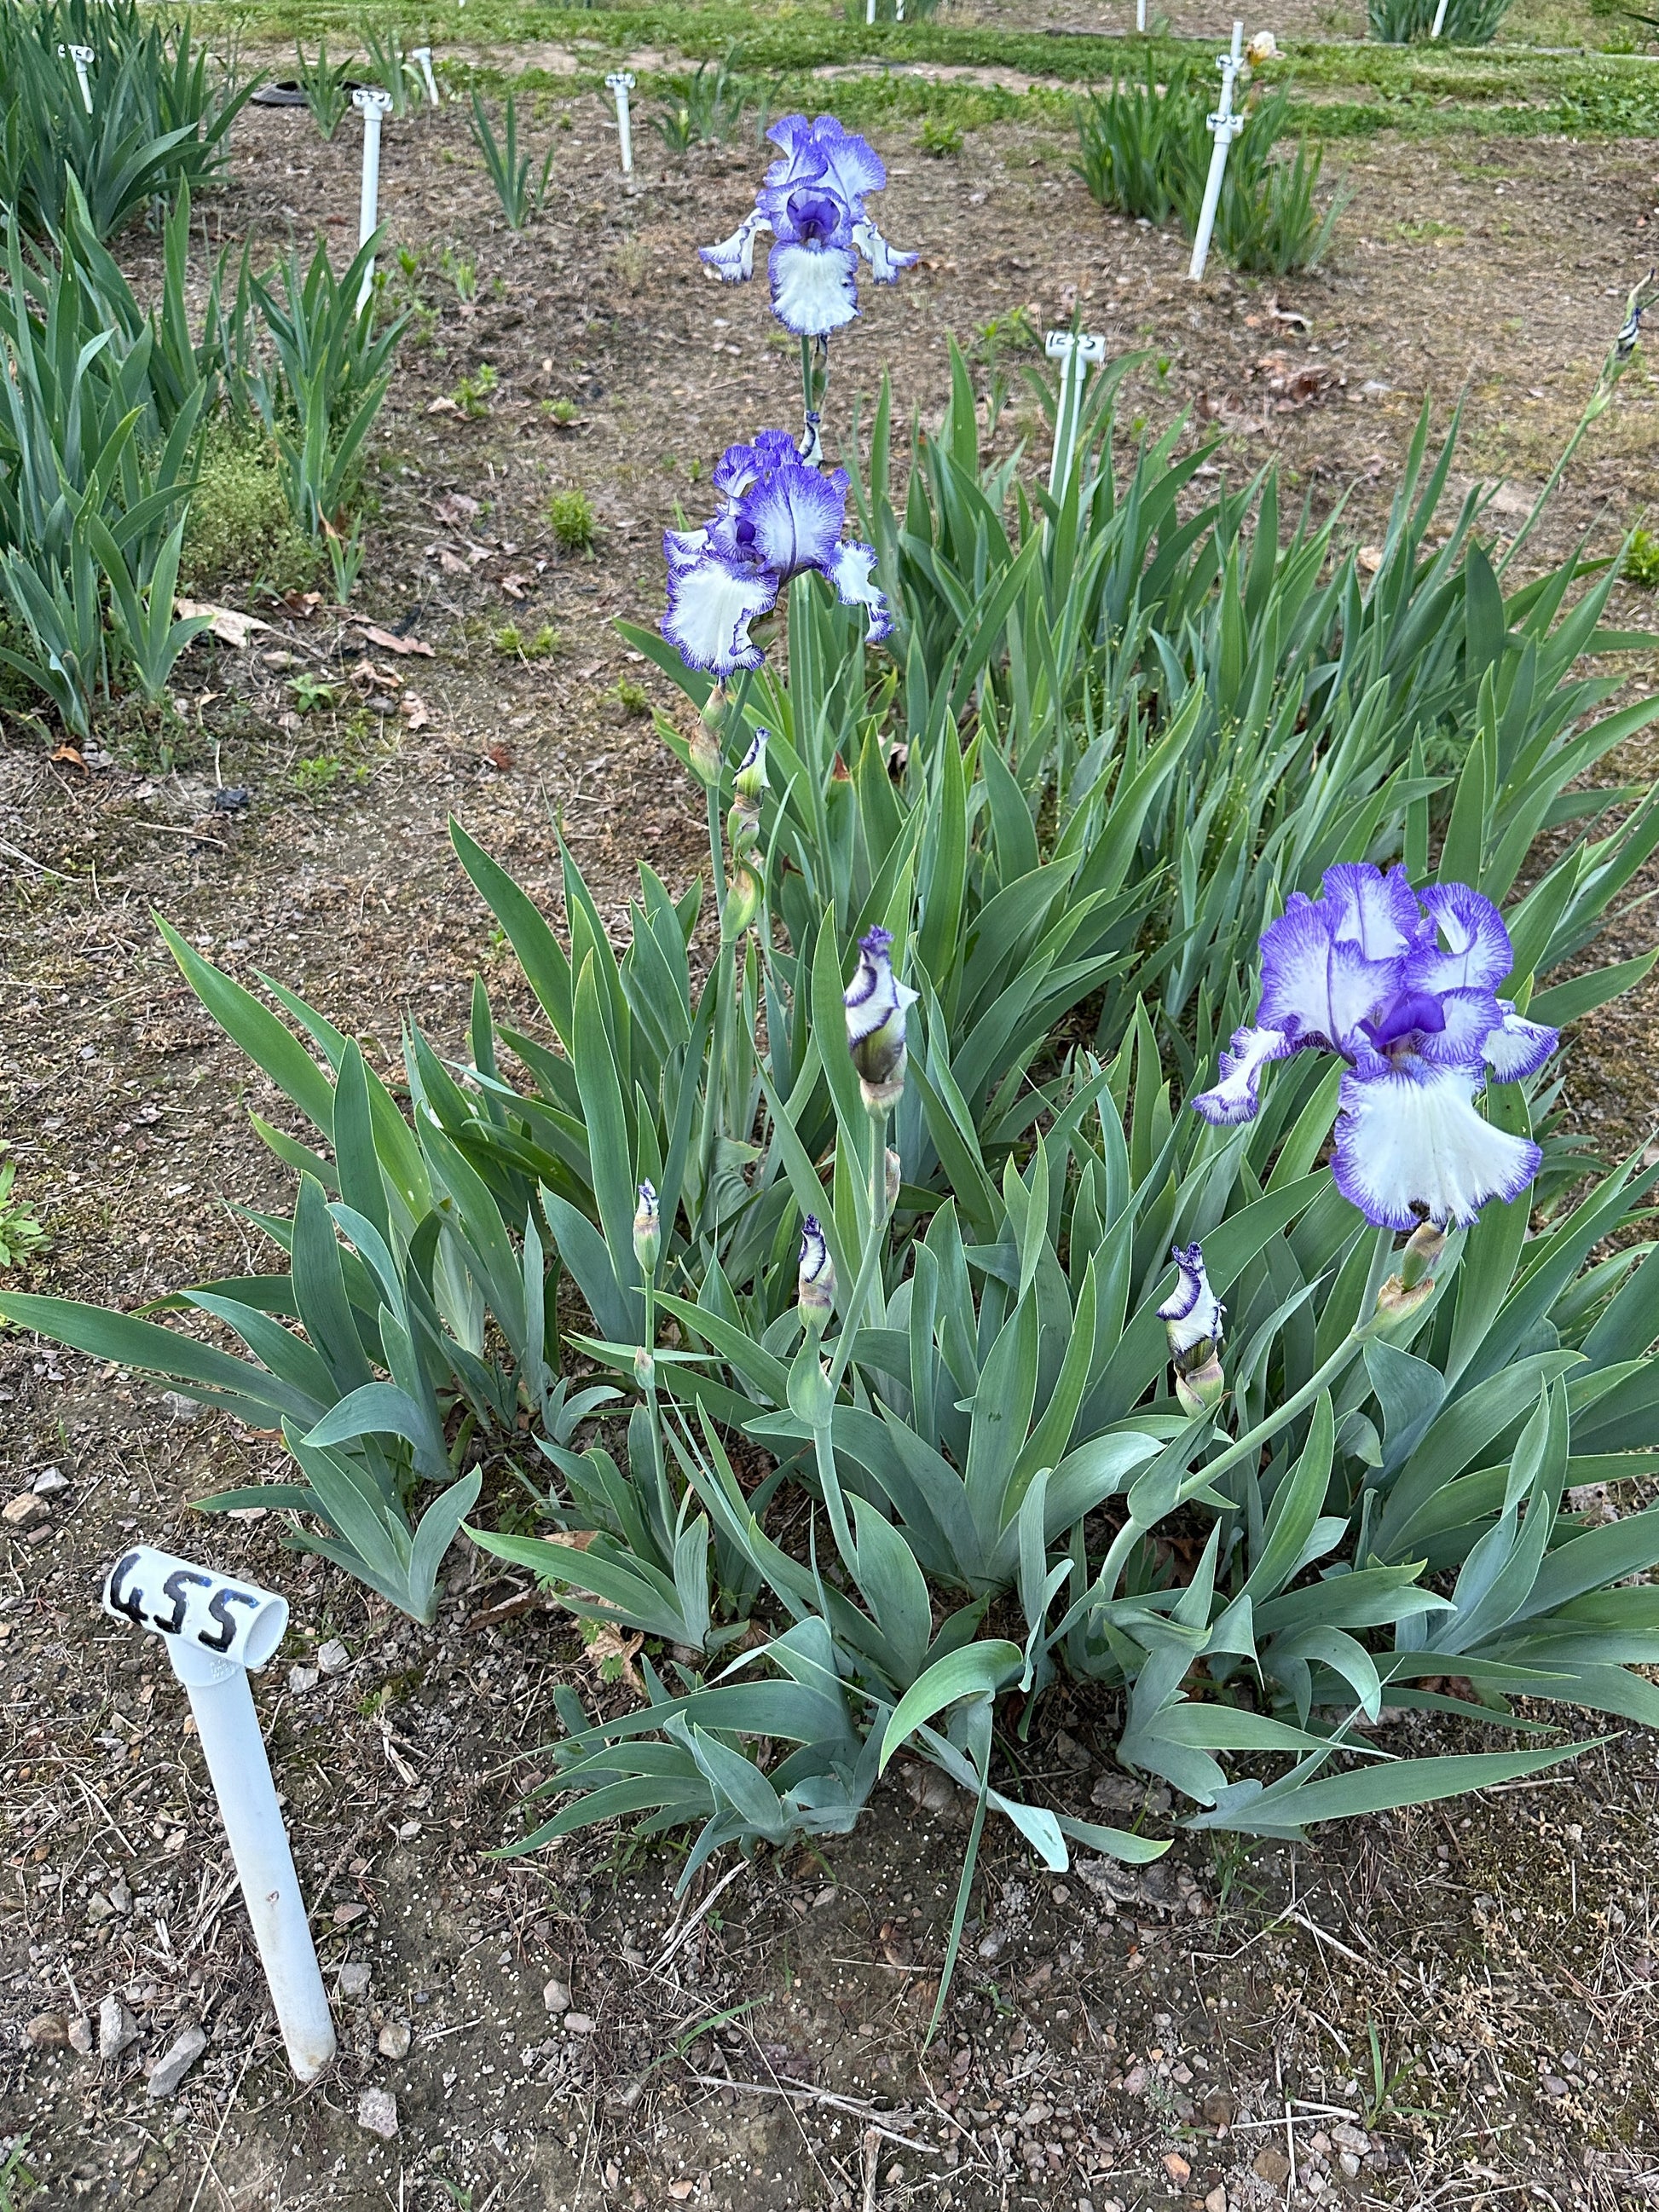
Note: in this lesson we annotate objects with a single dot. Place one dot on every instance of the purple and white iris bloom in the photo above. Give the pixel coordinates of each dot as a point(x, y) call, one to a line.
point(1403, 985)
point(1192, 1313)
point(877, 1005)
point(812, 206)
point(781, 516)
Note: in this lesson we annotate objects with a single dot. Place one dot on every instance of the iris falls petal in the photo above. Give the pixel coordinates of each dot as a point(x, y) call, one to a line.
point(1410, 1143)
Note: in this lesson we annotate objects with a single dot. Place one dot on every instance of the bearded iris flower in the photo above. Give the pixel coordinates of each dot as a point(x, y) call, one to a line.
point(877, 1003)
point(1403, 985)
point(780, 517)
point(811, 204)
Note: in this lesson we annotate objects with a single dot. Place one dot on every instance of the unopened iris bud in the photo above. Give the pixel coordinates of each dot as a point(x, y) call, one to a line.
point(815, 1285)
point(644, 1367)
point(1191, 1315)
point(1404, 1294)
point(743, 899)
point(894, 1178)
point(876, 1003)
point(749, 780)
point(647, 1230)
point(705, 740)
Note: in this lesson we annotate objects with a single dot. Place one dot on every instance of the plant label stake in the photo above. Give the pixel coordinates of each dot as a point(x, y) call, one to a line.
point(1226, 126)
point(620, 82)
point(421, 55)
point(1076, 352)
point(1439, 23)
point(371, 103)
point(1140, 14)
point(216, 1629)
point(81, 56)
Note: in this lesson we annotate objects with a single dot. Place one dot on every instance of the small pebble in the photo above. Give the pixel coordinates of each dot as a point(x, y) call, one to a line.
point(353, 1978)
point(48, 1481)
point(578, 2023)
point(116, 2027)
point(301, 1679)
point(24, 1511)
point(80, 2035)
point(557, 1996)
point(333, 1658)
point(48, 2031)
point(377, 2112)
point(172, 2068)
point(394, 2040)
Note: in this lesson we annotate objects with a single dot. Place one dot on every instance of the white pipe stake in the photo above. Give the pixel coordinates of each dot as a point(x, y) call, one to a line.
point(80, 57)
point(1140, 14)
point(371, 103)
point(421, 55)
point(1076, 352)
point(215, 1629)
point(1439, 20)
point(1226, 126)
point(869, 11)
point(620, 83)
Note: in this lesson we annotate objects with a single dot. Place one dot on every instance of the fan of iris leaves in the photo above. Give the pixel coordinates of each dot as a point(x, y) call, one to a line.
point(1116, 731)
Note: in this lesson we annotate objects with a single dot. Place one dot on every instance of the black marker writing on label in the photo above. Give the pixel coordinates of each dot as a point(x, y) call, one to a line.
point(175, 1587)
point(130, 1604)
point(220, 1611)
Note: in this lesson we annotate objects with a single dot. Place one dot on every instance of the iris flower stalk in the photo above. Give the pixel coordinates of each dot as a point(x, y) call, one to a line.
point(1637, 302)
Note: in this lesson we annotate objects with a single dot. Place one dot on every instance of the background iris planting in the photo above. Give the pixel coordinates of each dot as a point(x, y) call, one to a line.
point(853, 1277)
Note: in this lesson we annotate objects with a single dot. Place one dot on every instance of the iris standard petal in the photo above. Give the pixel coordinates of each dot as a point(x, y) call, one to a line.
point(1468, 1019)
point(1315, 985)
point(1237, 1095)
point(710, 607)
point(852, 571)
point(792, 517)
point(681, 549)
point(813, 290)
point(1518, 1048)
point(1374, 910)
point(851, 164)
point(1470, 946)
point(884, 260)
point(734, 257)
point(1409, 1143)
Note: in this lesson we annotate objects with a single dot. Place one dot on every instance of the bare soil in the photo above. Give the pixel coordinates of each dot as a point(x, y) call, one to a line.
point(1446, 2006)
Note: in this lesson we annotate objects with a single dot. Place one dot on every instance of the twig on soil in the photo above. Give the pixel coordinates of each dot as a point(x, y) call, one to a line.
point(679, 1935)
point(871, 2141)
point(184, 829)
point(798, 2092)
point(28, 862)
point(1324, 1935)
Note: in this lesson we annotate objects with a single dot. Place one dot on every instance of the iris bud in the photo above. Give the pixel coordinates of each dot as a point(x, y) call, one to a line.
point(1191, 1315)
point(877, 1003)
point(742, 900)
point(648, 1230)
point(814, 1284)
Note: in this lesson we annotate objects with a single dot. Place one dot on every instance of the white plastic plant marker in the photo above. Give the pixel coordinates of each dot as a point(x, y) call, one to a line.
point(1140, 14)
point(1226, 126)
point(869, 11)
point(620, 83)
point(82, 57)
point(215, 1629)
point(1076, 352)
point(374, 105)
point(1439, 23)
point(422, 56)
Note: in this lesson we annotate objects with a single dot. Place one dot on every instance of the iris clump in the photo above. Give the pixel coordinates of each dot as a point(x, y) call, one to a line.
point(1402, 985)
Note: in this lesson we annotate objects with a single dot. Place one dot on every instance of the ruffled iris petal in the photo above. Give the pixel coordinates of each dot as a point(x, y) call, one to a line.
point(1410, 1143)
point(710, 607)
point(884, 260)
point(1467, 947)
point(1238, 1094)
point(1376, 911)
point(852, 571)
point(1314, 985)
point(813, 290)
point(1469, 1018)
point(1518, 1048)
point(734, 257)
point(795, 516)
